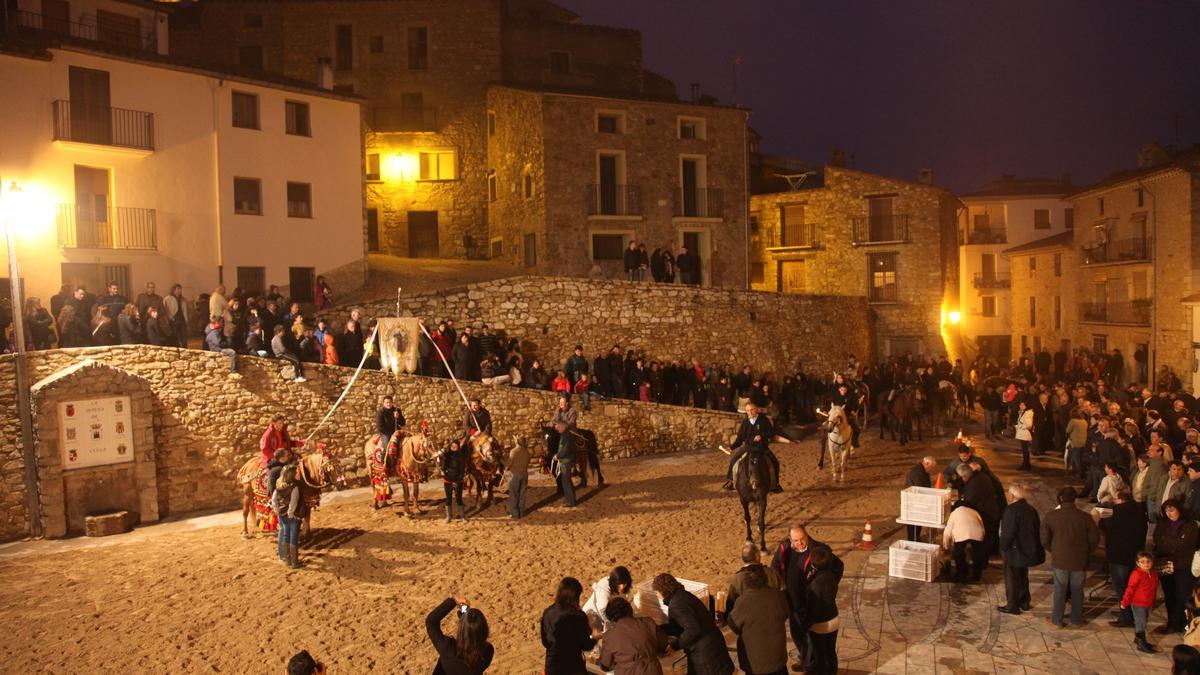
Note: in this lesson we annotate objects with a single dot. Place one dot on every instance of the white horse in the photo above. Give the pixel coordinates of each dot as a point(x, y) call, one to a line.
point(838, 433)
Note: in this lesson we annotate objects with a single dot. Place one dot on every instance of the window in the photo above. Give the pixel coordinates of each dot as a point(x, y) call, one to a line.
point(1032, 311)
point(691, 127)
point(252, 21)
point(373, 230)
point(989, 305)
point(497, 247)
point(608, 246)
point(1141, 197)
point(491, 123)
point(758, 272)
point(530, 246)
point(1099, 344)
point(1069, 218)
point(252, 280)
point(881, 280)
point(527, 186)
point(1037, 343)
point(297, 118)
point(1100, 204)
point(343, 51)
point(376, 44)
point(493, 190)
point(560, 63)
point(610, 123)
point(1057, 312)
point(1058, 264)
point(300, 283)
point(1024, 343)
point(250, 57)
point(247, 196)
point(299, 200)
point(418, 48)
point(1032, 265)
point(437, 165)
point(245, 110)
point(1041, 219)
point(373, 166)
point(754, 216)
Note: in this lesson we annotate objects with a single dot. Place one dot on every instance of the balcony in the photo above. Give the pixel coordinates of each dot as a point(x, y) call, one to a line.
point(102, 125)
point(1135, 249)
point(989, 235)
point(613, 200)
point(804, 235)
point(891, 228)
point(107, 29)
point(403, 118)
point(699, 203)
point(116, 227)
point(1130, 313)
point(991, 281)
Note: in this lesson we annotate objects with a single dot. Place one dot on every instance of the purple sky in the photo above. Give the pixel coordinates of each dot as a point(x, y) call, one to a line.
point(971, 89)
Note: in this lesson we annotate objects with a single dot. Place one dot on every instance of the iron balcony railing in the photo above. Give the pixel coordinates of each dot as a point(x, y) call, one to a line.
point(89, 30)
point(803, 235)
point(888, 293)
point(1135, 249)
point(114, 227)
point(988, 281)
point(604, 199)
point(699, 203)
point(102, 125)
point(881, 228)
point(1133, 312)
point(404, 118)
point(989, 235)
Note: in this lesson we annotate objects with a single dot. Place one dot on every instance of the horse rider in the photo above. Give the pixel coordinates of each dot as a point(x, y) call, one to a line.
point(477, 420)
point(756, 432)
point(389, 420)
point(275, 437)
point(851, 400)
point(569, 417)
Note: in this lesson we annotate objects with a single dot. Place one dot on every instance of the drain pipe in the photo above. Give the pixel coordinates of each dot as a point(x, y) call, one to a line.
point(1152, 356)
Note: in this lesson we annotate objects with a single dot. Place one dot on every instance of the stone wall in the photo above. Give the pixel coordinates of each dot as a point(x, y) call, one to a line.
point(551, 315)
point(206, 424)
point(827, 261)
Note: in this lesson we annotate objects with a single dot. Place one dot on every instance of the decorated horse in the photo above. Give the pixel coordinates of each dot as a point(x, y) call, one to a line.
point(314, 473)
point(838, 433)
point(898, 408)
point(407, 457)
point(485, 466)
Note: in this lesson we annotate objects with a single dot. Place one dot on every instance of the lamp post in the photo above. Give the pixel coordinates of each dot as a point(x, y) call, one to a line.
point(32, 501)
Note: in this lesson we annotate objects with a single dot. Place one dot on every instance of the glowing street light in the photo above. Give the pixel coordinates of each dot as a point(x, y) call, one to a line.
point(954, 317)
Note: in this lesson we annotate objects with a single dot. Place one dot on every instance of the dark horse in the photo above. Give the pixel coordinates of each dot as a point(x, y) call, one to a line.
point(898, 413)
point(585, 440)
point(753, 483)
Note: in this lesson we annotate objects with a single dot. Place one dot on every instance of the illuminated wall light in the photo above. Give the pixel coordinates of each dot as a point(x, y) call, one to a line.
point(955, 317)
point(399, 166)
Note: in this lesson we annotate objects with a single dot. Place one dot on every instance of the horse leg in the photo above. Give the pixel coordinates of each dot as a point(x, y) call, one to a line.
point(247, 505)
point(417, 498)
point(746, 515)
point(404, 503)
point(762, 523)
point(306, 527)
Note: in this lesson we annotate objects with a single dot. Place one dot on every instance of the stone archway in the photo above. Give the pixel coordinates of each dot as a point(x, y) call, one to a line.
point(94, 434)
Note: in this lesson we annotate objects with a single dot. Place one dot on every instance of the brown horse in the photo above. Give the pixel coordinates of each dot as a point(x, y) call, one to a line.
point(898, 413)
point(586, 441)
point(411, 467)
point(314, 474)
point(485, 466)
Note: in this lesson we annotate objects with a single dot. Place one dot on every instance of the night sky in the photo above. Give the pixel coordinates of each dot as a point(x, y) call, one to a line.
point(970, 88)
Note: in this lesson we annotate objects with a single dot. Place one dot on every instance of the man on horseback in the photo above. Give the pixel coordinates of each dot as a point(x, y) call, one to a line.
point(477, 420)
point(275, 437)
point(388, 420)
point(850, 398)
point(756, 433)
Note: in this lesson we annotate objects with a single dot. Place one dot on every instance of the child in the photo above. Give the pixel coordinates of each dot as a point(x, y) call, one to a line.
point(561, 384)
point(1139, 595)
point(644, 392)
point(581, 390)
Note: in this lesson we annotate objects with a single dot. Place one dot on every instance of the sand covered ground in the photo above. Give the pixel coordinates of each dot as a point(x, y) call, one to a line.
point(204, 600)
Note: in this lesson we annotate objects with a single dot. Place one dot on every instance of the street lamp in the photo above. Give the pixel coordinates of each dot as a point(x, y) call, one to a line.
point(16, 207)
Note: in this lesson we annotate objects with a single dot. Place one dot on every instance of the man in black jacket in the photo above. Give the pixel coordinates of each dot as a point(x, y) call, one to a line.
point(979, 493)
point(388, 420)
point(756, 432)
point(1124, 536)
point(1021, 546)
point(791, 561)
point(918, 476)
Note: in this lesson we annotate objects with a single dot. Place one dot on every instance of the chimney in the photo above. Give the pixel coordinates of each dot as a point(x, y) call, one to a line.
point(325, 73)
point(695, 92)
point(838, 158)
point(925, 176)
point(1152, 155)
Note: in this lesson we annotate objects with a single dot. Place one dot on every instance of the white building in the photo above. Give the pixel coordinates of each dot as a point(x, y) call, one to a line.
point(140, 167)
point(1005, 213)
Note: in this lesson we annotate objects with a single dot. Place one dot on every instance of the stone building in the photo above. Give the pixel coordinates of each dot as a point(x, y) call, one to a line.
point(1136, 232)
point(425, 67)
point(1005, 213)
point(847, 232)
point(1044, 284)
point(574, 178)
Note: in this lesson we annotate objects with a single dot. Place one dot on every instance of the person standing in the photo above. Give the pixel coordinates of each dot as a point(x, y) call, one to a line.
point(980, 493)
point(565, 632)
point(217, 304)
point(691, 629)
point(750, 562)
point(758, 619)
point(1024, 432)
point(1139, 597)
point(1124, 536)
point(518, 481)
point(176, 307)
point(631, 262)
point(291, 509)
point(1070, 535)
point(631, 645)
point(792, 560)
point(1021, 546)
point(566, 455)
point(822, 611)
point(469, 652)
point(964, 528)
point(1175, 539)
point(918, 476)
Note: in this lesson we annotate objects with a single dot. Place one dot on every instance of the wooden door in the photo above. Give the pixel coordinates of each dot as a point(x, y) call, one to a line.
point(93, 222)
point(56, 16)
point(608, 185)
point(91, 111)
point(373, 230)
point(791, 276)
point(423, 234)
point(882, 220)
point(690, 186)
point(118, 29)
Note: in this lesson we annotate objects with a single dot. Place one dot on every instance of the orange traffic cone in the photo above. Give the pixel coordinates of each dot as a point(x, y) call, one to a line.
point(867, 543)
point(941, 482)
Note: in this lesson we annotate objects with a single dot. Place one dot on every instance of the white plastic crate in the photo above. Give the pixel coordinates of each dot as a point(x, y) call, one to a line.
point(645, 600)
point(928, 507)
point(914, 560)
